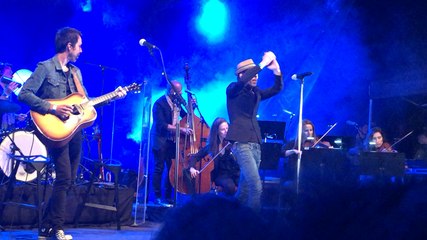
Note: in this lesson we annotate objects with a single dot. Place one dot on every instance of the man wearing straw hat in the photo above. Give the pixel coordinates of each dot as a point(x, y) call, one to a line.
point(243, 98)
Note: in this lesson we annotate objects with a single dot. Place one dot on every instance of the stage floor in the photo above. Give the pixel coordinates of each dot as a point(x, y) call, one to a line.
point(143, 231)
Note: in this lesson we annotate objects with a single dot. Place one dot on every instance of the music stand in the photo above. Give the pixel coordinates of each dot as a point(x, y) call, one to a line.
point(270, 155)
point(272, 130)
point(272, 133)
point(382, 164)
point(326, 163)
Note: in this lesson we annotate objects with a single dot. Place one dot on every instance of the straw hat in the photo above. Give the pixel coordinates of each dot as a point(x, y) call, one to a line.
point(244, 65)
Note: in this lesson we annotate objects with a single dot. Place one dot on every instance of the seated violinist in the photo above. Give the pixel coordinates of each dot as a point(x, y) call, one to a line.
point(308, 139)
point(226, 170)
point(377, 142)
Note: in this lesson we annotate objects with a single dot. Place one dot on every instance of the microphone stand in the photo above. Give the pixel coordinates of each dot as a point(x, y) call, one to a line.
point(300, 132)
point(177, 139)
point(147, 149)
point(101, 118)
point(178, 101)
point(366, 142)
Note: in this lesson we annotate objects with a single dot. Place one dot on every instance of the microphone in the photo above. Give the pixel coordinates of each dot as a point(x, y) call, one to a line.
point(189, 92)
point(144, 42)
point(351, 123)
point(301, 75)
point(288, 112)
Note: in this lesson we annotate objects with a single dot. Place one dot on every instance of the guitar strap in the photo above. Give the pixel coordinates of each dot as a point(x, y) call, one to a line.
point(77, 83)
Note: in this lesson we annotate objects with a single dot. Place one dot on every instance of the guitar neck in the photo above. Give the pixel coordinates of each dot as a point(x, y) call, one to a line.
point(103, 98)
point(109, 96)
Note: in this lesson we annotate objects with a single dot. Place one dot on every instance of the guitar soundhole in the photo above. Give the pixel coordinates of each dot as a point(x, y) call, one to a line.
point(77, 109)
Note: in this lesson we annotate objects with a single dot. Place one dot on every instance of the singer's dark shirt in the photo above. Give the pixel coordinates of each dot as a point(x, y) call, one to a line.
point(242, 105)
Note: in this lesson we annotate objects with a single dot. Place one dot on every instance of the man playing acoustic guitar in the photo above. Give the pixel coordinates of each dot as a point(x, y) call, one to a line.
point(56, 78)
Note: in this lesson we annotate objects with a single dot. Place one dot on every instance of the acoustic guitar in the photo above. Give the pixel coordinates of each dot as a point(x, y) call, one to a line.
point(59, 132)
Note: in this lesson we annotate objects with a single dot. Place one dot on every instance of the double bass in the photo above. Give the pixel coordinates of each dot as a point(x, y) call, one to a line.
point(191, 144)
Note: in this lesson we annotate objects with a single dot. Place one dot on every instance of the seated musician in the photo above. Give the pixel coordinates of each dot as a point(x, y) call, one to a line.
point(421, 151)
point(359, 146)
point(7, 107)
point(308, 139)
point(377, 142)
point(226, 170)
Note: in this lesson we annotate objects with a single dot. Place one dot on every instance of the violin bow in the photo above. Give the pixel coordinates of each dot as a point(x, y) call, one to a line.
point(398, 141)
point(219, 152)
point(318, 140)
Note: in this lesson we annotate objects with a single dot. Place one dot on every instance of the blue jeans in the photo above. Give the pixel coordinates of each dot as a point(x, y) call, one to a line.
point(248, 156)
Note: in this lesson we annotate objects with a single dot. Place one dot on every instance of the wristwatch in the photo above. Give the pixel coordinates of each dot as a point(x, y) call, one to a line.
point(53, 110)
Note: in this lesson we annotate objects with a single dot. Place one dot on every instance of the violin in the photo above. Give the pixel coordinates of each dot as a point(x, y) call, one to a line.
point(310, 143)
point(385, 147)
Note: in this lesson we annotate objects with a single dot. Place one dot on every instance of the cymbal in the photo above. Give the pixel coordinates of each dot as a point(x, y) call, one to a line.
point(20, 77)
point(8, 107)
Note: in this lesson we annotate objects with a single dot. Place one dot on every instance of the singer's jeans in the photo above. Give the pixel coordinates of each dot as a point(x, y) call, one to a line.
point(248, 156)
point(66, 160)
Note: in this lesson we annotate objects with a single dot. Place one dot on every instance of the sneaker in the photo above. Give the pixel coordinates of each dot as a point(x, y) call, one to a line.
point(47, 234)
point(60, 235)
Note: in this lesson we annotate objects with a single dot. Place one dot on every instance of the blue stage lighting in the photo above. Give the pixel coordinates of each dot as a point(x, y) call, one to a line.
point(213, 21)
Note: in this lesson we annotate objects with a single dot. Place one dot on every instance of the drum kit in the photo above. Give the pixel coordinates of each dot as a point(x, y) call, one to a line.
point(19, 145)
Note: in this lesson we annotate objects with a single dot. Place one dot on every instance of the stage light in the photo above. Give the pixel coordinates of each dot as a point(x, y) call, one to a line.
point(86, 5)
point(213, 21)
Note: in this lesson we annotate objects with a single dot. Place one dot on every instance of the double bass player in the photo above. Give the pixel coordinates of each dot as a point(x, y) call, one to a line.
point(165, 115)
